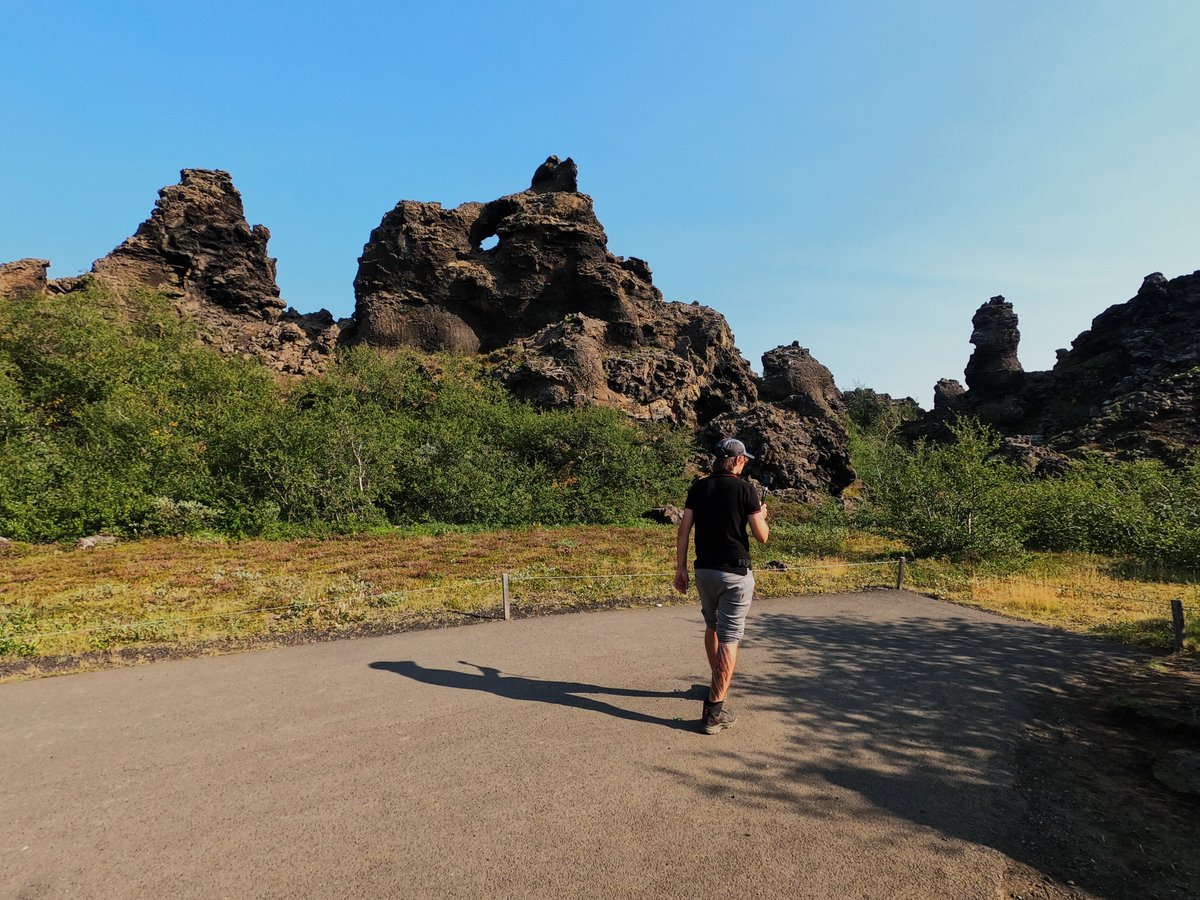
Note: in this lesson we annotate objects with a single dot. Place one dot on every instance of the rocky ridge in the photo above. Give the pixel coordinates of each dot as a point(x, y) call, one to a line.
point(1129, 386)
point(526, 279)
point(565, 323)
point(198, 249)
point(23, 276)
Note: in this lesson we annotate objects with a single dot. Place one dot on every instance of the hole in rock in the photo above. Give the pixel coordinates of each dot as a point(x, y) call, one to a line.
point(490, 243)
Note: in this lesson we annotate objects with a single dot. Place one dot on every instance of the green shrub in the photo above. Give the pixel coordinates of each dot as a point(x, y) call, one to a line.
point(960, 500)
point(944, 499)
point(114, 418)
point(176, 517)
point(1142, 509)
point(877, 415)
point(118, 404)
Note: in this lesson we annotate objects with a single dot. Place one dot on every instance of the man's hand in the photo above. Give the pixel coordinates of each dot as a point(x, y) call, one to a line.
point(681, 580)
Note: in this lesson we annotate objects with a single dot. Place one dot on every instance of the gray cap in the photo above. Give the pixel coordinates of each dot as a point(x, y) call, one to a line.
point(731, 447)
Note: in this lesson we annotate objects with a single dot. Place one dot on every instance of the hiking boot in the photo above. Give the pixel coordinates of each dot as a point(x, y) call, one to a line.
point(712, 724)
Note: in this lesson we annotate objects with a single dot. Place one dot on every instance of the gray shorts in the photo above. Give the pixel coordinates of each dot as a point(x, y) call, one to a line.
point(725, 600)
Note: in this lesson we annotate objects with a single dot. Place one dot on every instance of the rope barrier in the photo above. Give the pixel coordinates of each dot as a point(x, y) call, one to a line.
point(846, 565)
point(312, 604)
point(517, 578)
point(757, 572)
point(436, 587)
point(514, 578)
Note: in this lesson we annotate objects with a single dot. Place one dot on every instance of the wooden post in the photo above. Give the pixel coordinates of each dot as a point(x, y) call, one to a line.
point(504, 588)
point(900, 574)
point(1177, 621)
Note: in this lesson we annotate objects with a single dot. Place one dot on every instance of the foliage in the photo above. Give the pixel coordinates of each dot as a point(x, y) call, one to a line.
point(114, 418)
point(808, 529)
point(875, 414)
point(959, 499)
point(944, 499)
point(1141, 509)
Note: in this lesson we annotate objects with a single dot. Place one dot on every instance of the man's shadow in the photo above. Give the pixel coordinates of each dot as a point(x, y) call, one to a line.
point(561, 693)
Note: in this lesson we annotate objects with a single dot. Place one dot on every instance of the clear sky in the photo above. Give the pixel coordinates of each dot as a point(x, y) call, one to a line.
point(856, 176)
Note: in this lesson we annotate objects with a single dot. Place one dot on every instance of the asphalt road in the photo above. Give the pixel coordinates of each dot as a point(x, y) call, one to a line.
point(553, 757)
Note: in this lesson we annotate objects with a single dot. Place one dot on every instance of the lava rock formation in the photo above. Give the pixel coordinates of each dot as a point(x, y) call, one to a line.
point(562, 321)
point(1129, 386)
point(198, 249)
point(567, 323)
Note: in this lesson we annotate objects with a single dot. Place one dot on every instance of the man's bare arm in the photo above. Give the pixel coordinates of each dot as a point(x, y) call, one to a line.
point(682, 537)
point(758, 525)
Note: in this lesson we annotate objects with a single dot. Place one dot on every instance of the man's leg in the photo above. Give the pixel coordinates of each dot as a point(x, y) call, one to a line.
point(710, 596)
point(726, 662)
point(722, 660)
point(724, 599)
point(710, 648)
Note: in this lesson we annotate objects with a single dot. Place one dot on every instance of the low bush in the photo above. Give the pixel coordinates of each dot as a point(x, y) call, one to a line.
point(960, 500)
point(114, 418)
point(944, 499)
point(802, 529)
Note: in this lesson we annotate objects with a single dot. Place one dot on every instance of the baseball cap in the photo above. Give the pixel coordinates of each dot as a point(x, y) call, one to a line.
point(732, 447)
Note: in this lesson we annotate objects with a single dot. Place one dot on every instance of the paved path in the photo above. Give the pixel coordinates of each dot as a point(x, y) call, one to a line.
point(551, 757)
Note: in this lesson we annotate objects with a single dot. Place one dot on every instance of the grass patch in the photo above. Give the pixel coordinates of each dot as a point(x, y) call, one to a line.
point(187, 594)
point(1078, 592)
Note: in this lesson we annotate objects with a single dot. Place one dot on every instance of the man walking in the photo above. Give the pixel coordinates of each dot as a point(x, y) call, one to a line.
point(721, 506)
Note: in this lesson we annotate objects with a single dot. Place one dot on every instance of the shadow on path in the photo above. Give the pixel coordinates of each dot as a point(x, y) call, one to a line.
point(924, 716)
point(517, 687)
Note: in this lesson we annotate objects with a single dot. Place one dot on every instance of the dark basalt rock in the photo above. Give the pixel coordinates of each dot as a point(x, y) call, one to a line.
point(23, 278)
point(796, 381)
point(947, 393)
point(1129, 386)
point(993, 368)
point(425, 279)
point(668, 514)
point(563, 321)
point(198, 244)
point(1023, 450)
point(687, 371)
point(198, 248)
point(566, 323)
point(553, 175)
point(1131, 383)
point(806, 455)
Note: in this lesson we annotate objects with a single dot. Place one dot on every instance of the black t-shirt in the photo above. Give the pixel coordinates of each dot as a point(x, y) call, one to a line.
point(722, 504)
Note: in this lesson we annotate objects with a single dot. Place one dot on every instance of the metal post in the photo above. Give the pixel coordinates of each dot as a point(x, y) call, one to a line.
point(1177, 621)
point(900, 574)
point(504, 588)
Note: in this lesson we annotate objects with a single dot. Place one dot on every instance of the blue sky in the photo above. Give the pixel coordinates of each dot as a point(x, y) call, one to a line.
point(858, 177)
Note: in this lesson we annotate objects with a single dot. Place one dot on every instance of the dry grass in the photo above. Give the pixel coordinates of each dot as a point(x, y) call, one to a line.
point(59, 601)
point(1075, 592)
point(186, 593)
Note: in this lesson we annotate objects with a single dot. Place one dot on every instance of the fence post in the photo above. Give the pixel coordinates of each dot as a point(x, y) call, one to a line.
point(900, 574)
point(504, 589)
point(1177, 621)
